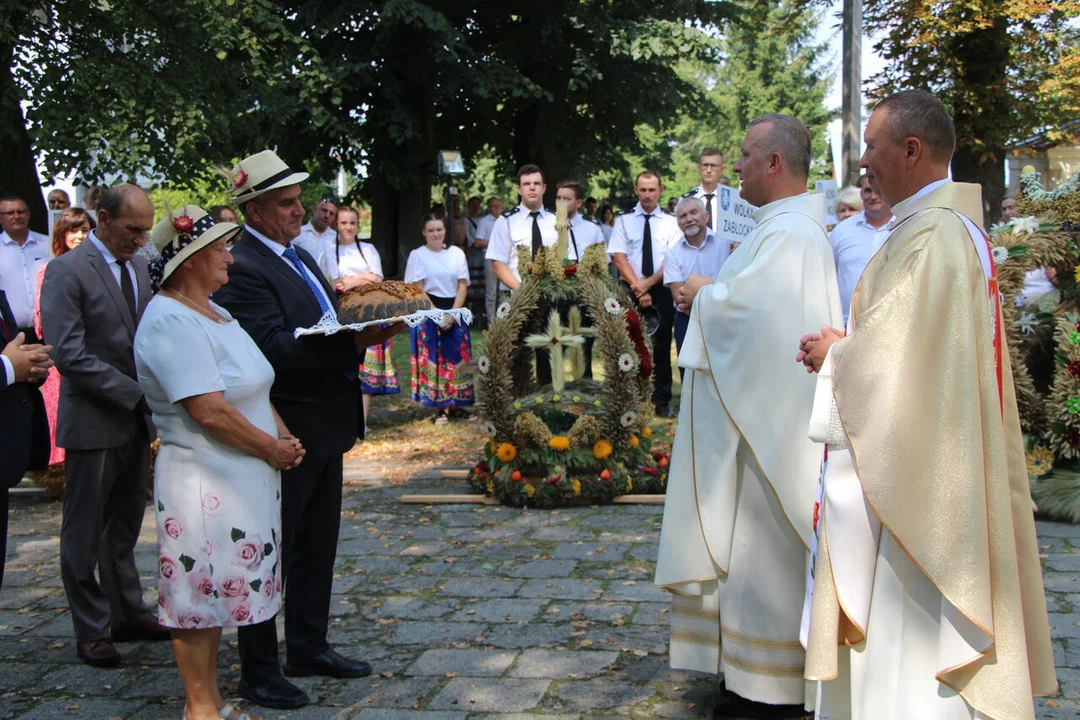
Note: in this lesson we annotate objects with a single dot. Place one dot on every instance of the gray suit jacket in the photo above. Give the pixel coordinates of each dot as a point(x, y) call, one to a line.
point(85, 319)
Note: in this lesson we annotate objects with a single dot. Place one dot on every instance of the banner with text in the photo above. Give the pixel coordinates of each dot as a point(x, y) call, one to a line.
point(828, 189)
point(734, 221)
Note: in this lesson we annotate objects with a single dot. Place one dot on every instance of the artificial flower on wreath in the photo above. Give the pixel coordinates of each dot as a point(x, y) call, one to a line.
point(1027, 322)
point(506, 452)
point(1001, 254)
point(1040, 461)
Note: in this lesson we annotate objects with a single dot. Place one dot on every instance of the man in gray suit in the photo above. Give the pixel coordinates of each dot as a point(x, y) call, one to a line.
point(91, 301)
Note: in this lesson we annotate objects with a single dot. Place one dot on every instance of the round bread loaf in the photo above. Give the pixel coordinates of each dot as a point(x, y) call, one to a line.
point(381, 301)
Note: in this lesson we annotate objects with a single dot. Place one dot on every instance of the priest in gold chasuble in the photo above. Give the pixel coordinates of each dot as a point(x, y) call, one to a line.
point(737, 519)
point(925, 598)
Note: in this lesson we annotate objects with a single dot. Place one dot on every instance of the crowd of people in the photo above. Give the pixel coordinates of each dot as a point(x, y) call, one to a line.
point(779, 339)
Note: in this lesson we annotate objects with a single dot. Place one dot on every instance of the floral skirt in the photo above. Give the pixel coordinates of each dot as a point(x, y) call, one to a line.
point(438, 357)
point(378, 376)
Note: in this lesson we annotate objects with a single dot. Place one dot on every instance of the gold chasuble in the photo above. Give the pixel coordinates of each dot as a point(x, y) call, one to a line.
point(737, 518)
point(926, 567)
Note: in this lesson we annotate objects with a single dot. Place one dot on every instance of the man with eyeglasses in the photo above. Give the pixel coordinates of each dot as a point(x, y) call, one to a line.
point(319, 234)
point(710, 166)
point(23, 253)
point(59, 200)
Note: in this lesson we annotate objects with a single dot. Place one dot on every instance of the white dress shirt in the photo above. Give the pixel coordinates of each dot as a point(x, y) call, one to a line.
point(19, 266)
point(628, 235)
point(340, 261)
point(584, 232)
point(114, 268)
point(279, 250)
point(313, 241)
point(854, 242)
point(484, 226)
point(514, 229)
point(684, 259)
point(9, 371)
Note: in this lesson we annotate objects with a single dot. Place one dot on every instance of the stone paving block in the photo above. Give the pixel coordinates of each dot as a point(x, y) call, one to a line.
point(625, 536)
point(561, 664)
point(1061, 582)
point(82, 679)
point(466, 663)
point(588, 696)
point(369, 545)
point(408, 607)
point(479, 587)
point(605, 612)
point(156, 683)
point(1053, 604)
point(653, 614)
point(529, 636)
point(51, 709)
point(1069, 679)
point(591, 551)
point(490, 695)
point(616, 571)
point(1065, 625)
point(25, 597)
point(431, 633)
point(636, 591)
point(563, 534)
point(1063, 562)
point(1045, 528)
point(375, 691)
point(388, 714)
point(521, 716)
point(565, 589)
point(618, 521)
point(539, 568)
point(373, 567)
point(645, 552)
point(14, 623)
point(510, 610)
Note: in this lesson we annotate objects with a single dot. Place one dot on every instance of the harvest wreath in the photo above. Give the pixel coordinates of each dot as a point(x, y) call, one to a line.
point(1043, 333)
point(576, 440)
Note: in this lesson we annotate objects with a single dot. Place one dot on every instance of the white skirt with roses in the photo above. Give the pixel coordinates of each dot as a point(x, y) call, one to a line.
point(219, 542)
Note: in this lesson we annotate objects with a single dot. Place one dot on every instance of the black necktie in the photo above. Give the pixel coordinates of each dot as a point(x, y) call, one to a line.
point(538, 241)
point(573, 239)
point(708, 209)
point(647, 268)
point(127, 287)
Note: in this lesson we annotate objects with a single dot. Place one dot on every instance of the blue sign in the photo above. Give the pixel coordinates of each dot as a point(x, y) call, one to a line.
point(725, 198)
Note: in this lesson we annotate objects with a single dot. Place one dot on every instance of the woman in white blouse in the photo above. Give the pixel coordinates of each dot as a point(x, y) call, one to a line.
point(349, 264)
point(440, 352)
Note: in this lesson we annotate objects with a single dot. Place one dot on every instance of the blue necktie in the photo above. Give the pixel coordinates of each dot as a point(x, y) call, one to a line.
point(291, 256)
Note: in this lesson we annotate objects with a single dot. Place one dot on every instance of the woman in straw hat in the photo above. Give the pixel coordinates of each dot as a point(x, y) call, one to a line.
point(217, 485)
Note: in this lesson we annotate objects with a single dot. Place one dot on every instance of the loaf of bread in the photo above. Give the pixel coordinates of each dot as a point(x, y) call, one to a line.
point(381, 301)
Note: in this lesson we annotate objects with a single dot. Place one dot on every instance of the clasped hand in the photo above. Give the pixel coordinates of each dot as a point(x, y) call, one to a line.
point(30, 362)
point(287, 454)
point(685, 294)
point(814, 347)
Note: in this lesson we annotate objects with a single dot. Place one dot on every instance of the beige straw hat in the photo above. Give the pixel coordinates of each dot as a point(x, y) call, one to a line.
point(259, 174)
point(184, 232)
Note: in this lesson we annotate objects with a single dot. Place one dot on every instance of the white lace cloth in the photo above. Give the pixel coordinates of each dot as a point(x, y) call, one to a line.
point(328, 324)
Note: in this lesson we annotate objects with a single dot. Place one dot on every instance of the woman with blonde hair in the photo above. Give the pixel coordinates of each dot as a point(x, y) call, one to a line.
point(848, 203)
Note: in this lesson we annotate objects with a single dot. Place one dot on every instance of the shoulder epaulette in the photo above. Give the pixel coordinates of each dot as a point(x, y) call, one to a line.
point(508, 213)
point(626, 212)
point(667, 212)
point(592, 219)
point(692, 193)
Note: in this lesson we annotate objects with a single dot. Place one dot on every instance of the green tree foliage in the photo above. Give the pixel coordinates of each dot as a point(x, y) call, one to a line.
point(1005, 70)
point(770, 64)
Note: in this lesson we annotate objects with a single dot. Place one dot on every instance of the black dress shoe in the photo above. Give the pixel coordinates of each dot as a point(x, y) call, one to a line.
point(273, 692)
point(98, 653)
point(141, 630)
point(328, 663)
point(730, 706)
point(664, 411)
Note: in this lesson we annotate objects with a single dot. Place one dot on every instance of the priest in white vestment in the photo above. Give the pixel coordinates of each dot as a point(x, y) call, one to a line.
point(925, 598)
point(737, 519)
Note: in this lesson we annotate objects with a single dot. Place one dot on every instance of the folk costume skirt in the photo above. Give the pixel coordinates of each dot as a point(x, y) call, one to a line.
point(378, 376)
point(438, 360)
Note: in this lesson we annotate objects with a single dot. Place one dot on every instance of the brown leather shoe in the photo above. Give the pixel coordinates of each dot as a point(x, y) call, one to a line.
point(141, 630)
point(98, 653)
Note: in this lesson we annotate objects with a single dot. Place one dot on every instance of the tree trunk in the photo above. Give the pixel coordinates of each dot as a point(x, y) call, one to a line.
point(18, 170)
point(982, 59)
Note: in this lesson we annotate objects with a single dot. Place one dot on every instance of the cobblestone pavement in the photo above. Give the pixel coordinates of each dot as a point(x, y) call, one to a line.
point(464, 611)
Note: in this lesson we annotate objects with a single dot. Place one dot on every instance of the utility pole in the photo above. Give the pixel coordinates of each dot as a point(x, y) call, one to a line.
point(851, 110)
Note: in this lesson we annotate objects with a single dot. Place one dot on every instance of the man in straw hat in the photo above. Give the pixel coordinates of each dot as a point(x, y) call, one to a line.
point(92, 300)
point(273, 289)
point(925, 506)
